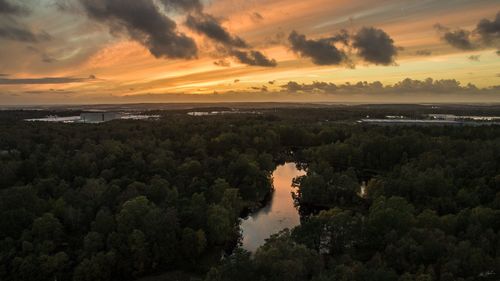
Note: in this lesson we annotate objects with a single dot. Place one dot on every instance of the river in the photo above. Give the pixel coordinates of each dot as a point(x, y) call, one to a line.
point(278, 214)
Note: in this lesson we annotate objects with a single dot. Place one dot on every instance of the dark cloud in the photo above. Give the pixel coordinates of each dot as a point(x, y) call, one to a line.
point(343, 37)
point(428, 85)
point(7, 7)
point(236, 81)
point(459, 39)
point(486, 34)
point(223, 63)
point(256, 16)
point(252, 57)
point(45, 80)
point(322, 52)
point(293, 87)
point(474, 58)
point(11, 29)
point(183, 5)
point(489, 30)
point(423, 53)
point(145, 23)
point(211, 27)
point(260, 89)
point(229, 44)
point(375, 46)
point(22, 34)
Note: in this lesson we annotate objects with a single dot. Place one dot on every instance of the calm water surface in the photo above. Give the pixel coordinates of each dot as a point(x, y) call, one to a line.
point(280, 212)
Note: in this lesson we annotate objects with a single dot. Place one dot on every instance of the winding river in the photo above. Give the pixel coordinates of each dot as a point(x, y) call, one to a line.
point(278, 214)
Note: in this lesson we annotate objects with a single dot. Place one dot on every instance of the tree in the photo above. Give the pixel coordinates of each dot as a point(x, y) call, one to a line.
point(232, 201)
point(47, 227)
point(334, 232)
point(238, 266)
point(217, 189)
point(93, 243)
point(282, 259)
point(98, 268)
point(157, 190)
point(140, 253)
point(394, 213)
point(219, 224)
point(132, 214)
point(193, 243)
point(104, 222)
point(54, 266)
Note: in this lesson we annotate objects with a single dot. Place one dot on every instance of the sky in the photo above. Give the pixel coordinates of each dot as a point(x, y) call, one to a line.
point(119, 51)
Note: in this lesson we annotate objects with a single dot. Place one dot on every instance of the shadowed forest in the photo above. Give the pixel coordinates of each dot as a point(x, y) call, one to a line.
point(162, 200)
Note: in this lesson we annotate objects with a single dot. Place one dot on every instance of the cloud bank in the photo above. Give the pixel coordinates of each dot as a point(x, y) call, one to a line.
point(405, 91)
point(406, 86)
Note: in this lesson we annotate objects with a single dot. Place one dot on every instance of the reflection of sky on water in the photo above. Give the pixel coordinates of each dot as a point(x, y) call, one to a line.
point(279, 214)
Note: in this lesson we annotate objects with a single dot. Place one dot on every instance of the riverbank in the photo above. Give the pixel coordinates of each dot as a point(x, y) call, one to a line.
point(279, 213)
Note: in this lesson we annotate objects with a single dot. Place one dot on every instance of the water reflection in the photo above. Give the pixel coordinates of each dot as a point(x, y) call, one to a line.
point(280, 213)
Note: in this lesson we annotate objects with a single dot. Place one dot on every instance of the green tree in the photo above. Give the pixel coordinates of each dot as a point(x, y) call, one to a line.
point(219, 223)
point(47, 227)
point(193, 243)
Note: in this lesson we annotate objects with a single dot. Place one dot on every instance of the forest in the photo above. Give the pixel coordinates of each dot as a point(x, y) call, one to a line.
point(124, 200)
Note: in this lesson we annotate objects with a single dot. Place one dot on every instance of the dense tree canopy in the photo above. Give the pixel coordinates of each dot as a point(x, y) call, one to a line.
point(127, 199)
point(429, 208)
point(121, 200)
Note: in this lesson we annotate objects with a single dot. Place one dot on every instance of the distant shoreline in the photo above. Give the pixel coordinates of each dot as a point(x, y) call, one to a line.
point(191, 105)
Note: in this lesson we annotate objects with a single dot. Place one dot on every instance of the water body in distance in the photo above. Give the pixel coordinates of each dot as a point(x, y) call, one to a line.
point(278, 214)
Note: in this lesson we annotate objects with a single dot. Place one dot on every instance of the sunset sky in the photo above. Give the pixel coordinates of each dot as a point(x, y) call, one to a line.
point(95, 51)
